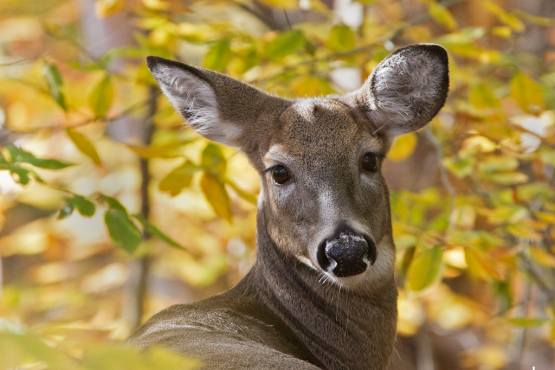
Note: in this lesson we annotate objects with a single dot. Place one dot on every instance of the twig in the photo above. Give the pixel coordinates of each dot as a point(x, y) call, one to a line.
point(361, 49)
point(21, 61)
point(135, 289)
point(438, 147)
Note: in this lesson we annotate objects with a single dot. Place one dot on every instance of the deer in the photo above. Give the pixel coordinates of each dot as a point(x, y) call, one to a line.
point(321, 293)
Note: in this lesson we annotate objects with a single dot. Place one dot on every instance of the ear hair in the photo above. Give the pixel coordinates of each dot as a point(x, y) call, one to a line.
point(407, 89)
point(194, 99)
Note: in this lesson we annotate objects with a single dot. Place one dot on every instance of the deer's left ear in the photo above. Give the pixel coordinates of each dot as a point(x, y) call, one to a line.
point(407, 89)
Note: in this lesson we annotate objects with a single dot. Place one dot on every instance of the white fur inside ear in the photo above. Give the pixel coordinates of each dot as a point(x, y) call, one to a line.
point(407, 92)
point(195, 100)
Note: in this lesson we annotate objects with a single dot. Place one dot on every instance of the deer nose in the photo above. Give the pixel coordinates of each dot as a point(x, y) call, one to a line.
point(346, 254)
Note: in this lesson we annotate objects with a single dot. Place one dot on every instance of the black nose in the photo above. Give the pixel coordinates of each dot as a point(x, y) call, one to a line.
point(346, 254)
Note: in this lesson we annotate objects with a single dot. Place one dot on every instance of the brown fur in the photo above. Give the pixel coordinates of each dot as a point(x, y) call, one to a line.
point(288, 313)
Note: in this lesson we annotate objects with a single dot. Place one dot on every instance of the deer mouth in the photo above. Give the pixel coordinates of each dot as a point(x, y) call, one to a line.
point(346, 253)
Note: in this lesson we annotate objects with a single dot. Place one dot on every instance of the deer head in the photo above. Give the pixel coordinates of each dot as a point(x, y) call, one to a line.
point(323, 196)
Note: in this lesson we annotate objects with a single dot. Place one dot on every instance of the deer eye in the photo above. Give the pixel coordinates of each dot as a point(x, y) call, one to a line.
point(280, 174)
point(370, 162)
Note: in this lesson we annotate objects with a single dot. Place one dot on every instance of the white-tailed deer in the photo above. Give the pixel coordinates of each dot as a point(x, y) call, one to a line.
point(321, 293)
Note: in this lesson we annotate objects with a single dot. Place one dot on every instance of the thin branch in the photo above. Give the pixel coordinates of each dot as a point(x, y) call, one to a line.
point(438, 147)
point(21, 61)
point(361, 49)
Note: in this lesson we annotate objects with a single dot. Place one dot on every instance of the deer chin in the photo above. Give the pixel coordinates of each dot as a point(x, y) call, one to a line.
point(378, 273)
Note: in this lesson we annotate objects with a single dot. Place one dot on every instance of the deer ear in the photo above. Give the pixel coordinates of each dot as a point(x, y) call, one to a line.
point(218, 107)
point(407, 89)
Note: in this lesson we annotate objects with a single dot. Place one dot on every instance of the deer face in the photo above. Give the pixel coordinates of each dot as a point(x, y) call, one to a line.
point(323, 196)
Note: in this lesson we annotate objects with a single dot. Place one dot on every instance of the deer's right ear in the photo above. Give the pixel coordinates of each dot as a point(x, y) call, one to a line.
point(218, 107)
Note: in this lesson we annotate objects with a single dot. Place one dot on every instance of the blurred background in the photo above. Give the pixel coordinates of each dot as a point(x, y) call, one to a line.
point(111, 209)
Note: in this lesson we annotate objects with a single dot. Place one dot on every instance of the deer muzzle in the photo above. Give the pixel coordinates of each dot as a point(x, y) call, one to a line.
point(346, 253)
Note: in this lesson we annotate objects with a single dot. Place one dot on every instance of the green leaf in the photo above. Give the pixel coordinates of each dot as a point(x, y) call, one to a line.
point(426, 269)
point(442, 16)
point(178, 179)
point(219, 56)
point(21, 156)
point(216, 195)
point(84, 206)
point(22, 173)
point(54, 80)
point(284, 44)
point(213, 159)
point(84, 145)
point(527, 92)
point(113, 203)
point(101, 97)
point(527, 322)
point(459, 166)
point(481, 97)
point(67, 209)
point(341, 38)
point(122, 230)
point(154, 231)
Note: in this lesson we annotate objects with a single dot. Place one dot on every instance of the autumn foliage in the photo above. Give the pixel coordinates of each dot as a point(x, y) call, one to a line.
point(111, 209)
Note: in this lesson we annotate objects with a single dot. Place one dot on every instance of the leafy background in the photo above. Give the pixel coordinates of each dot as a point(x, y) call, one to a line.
point(112, 210)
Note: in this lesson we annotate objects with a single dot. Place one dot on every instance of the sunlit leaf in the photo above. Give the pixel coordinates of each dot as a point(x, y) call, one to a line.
point(84, 145)
point(218, 56)
point(106, 8)
point(178, 179)
point(527, 92)
point(481, 97)
point(284, 44)
point(425, 269)
point(101, 97)
point(216, 195)
point(459, 166)
point(481, 265)
point(527, 322)
point(341, 38)
point(281, 4)
point(441, 15)
point(52, 75)
point(403, 147)
point(503, 15)
point(123, 231)
point(20, 349)
point(213, 159)
point(498, 163)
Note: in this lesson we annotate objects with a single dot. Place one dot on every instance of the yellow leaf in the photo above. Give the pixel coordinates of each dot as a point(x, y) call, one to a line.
point(101, 97)
point(178, 179)
point(441, 15)
point(156, 4)
point(403, 147)
point(502, 31)
point(106, 8)
point(481, 97)
point(282, 4)
point(542, 257)
point(425, 270)
point(526, 92)
point(341, 38)
point(481, 265)
point(309, 86)
point(84, 145)
point(216, 195)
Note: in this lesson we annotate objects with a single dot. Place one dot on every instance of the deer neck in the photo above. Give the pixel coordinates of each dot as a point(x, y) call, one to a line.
point(339, 328)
